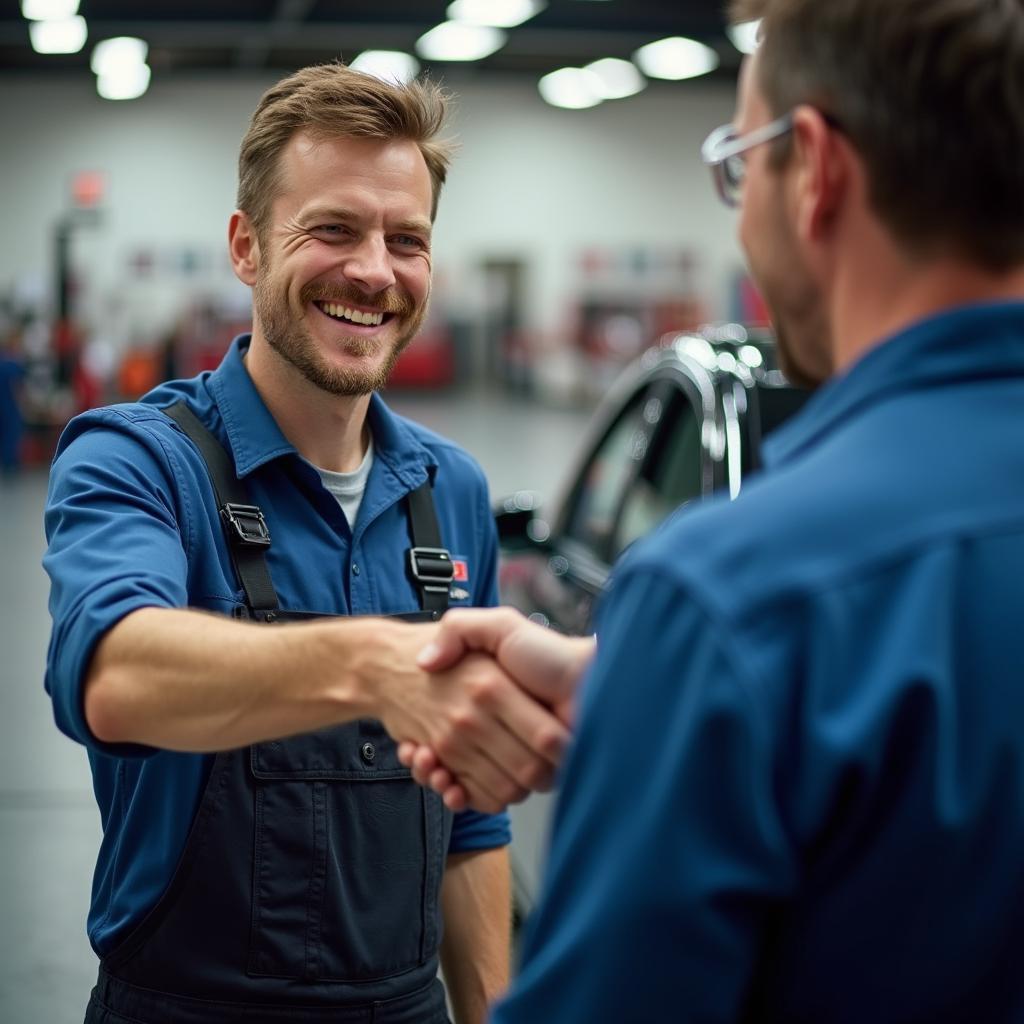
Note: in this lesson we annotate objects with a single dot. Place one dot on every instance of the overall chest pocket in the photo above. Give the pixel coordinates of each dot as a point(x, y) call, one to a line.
point(349, 853)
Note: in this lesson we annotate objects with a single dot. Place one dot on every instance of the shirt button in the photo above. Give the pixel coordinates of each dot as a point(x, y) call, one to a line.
point(369, 752)
point(355, 569)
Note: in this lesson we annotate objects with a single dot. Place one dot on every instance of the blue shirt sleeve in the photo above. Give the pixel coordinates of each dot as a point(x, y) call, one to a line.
point(114, 546)
point(667, 849)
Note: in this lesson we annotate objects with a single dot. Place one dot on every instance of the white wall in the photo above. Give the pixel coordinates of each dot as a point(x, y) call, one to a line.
point(529, 180)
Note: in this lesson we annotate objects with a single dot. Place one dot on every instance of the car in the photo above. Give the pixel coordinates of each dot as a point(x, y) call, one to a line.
point(682, 423)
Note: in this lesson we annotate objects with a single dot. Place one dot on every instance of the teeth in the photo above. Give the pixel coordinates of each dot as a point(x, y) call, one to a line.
point(355, 315)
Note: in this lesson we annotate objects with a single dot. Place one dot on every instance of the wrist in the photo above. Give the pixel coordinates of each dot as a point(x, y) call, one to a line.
point(371, 661)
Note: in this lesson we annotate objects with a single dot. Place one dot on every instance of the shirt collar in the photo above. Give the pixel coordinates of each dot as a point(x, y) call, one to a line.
point(977, 341)
point(256, 439)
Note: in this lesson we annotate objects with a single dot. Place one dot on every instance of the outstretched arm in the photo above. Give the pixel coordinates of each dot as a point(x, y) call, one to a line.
point(185, 680)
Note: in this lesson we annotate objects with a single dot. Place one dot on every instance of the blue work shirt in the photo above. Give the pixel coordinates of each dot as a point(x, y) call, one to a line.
point(132, 522)
point(797, 792)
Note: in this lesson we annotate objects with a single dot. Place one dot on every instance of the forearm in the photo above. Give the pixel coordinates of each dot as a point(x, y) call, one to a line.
point(186, 680)
point(476, 951)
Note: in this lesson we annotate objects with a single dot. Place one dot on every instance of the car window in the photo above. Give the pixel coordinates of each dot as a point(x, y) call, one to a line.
point(672, 473)
point(602, 484)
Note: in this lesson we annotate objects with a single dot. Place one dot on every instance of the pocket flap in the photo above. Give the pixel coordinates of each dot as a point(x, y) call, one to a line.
point(357, 751)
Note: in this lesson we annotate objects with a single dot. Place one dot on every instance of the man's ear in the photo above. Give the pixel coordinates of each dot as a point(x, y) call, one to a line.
point(244, 247)
point(823, 177)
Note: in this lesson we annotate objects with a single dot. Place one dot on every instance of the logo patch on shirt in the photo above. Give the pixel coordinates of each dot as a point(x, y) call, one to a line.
point(460, 579)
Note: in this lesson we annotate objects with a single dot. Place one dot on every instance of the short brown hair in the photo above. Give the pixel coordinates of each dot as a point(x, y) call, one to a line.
point(931, 94)
point(332, 101)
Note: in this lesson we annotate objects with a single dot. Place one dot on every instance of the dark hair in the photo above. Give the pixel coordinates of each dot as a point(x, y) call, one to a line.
point(332, 101)
point(931, 94)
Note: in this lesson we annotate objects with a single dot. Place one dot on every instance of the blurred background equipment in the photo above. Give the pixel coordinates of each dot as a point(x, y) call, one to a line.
point(575, 227)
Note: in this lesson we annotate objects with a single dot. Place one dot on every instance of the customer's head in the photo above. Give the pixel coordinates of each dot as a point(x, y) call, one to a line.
point(330, 101)
point(929, 92)
point(924, 97)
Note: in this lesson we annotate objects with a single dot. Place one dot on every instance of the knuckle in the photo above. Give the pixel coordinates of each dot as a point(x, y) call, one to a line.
point(486, 689)
point(550, 743)
point(464, 721)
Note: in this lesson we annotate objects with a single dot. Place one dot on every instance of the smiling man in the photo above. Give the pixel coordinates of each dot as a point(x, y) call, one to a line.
point(265, 856)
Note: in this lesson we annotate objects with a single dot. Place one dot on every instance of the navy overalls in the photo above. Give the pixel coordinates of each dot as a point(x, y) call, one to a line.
point(309, 889)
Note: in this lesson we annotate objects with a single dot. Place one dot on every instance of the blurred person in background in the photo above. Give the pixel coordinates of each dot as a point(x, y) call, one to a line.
point(265, 856)
point(12, 423)
point(797, 787)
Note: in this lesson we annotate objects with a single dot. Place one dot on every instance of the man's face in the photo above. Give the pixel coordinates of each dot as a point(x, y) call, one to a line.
point(775, 256)
point(343, 277)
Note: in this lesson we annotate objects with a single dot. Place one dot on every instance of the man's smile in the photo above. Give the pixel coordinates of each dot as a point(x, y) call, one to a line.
point(366, 321)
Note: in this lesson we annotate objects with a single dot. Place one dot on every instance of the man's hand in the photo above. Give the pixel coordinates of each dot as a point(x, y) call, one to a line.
point(499, 740)
point(547, 665)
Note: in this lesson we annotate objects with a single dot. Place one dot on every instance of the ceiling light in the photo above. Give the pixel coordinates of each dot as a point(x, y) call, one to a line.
point(618, 78)
point(110, 56)
point(65, 36)
point(49, 10)
point(744, 36)
point(388, 65)
point(454, 41)
point(572, 88)
point(676, 58)
point(498, 13)
point(127, 84)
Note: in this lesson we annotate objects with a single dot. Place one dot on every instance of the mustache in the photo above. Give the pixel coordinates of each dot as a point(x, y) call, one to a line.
point(389, 301)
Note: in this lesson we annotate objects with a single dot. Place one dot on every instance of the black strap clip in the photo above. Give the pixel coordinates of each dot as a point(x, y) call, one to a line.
point(245, 525)
point(432, 569)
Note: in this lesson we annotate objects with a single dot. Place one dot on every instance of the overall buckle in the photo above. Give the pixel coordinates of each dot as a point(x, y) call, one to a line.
point(432, 568)
point(246, 525)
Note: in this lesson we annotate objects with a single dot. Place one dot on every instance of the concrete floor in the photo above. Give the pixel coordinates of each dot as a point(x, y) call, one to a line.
point(49, 826)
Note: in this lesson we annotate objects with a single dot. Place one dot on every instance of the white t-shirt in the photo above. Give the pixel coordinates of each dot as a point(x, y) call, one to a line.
point(348, 488)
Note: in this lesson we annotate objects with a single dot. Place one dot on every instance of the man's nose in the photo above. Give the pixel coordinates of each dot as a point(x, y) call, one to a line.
point(369, 265)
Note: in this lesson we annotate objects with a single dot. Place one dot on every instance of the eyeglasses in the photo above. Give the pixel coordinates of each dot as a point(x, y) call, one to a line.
point(724, 152)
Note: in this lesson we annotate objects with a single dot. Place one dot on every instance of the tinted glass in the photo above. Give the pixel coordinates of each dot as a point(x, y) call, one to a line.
point(671, 476)
point(603, 483)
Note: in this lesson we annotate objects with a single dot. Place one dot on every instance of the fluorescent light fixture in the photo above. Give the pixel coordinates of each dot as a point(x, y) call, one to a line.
point(572, 88)
point(744, 35)
point(618, 78)
point(498, 13)
point(49, 10)
point(66, 36)
point(110, 56)
point(388, 65)
point(676, 58)
point(126, 84)
point(453, 40)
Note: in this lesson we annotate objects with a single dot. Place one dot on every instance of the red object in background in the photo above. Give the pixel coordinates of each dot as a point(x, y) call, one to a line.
point(138, 374)
point(428, 362)
point(678, 315)
point(87, 188)
point(87, 389)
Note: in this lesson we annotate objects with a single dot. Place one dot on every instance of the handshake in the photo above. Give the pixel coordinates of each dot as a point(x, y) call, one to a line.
point(488, 718)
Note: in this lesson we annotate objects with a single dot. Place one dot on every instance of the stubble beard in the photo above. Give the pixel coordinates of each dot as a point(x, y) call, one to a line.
point(290, 338)
point(803, 334)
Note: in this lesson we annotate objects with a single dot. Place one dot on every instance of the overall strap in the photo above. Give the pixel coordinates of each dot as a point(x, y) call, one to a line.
point(430, 565)
point(244, 525)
